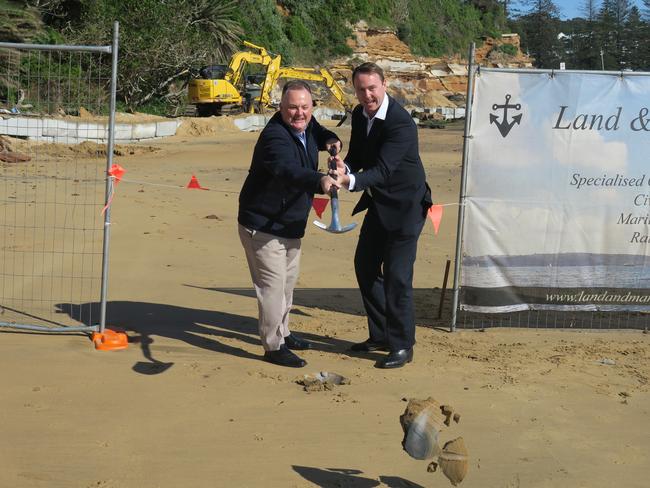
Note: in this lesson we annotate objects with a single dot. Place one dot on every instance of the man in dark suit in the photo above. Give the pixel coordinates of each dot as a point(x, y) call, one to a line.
point(274, 204)
point(383, 162)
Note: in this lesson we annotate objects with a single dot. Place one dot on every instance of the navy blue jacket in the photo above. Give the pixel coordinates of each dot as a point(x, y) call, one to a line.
point(387, 161)
point(278, 191)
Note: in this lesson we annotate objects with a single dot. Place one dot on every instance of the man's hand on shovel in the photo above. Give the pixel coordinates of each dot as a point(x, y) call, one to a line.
point(338, 176)
point(329, 184)
point(337, 169)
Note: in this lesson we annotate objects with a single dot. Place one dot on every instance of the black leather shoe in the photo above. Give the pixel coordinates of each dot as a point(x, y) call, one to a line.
point(284, 357)
point(396, 359)
point(296, 343)
point(368, 346)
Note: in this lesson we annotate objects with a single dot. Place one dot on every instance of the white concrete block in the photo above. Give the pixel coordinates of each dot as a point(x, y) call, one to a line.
point(167, 128)
point(243, 124)
point(92, 131)
point(252, 122)
point(71, 132)
point(123, 131)
point(21, 126)
point(144, 131)
point(59, 128)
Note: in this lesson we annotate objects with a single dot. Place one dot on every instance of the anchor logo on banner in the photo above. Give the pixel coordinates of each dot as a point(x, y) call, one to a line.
point(504, 125)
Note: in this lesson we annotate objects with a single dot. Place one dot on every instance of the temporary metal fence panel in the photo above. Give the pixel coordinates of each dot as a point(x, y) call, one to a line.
point(56, 130)
point(556, 204)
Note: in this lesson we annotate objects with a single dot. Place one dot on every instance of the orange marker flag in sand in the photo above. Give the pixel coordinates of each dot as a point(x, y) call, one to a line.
point(194, 184)
point(320, 204)
point(435, 214)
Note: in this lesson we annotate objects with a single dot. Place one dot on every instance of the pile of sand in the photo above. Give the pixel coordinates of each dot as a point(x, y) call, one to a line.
point(86, 149)
point(8, 155)
point(206, 126)
point(120, 117)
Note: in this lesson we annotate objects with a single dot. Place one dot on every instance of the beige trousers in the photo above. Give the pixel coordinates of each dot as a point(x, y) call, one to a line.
point(274, 263)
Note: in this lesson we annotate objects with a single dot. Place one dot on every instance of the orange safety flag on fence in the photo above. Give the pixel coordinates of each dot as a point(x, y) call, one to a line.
point(435, 214)
point(116, 172)
point(320, 204)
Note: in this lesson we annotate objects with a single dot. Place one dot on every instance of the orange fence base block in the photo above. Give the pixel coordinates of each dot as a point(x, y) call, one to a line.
point(110, 340)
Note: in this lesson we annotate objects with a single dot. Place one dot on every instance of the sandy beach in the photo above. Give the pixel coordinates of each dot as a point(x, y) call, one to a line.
point(190, 403)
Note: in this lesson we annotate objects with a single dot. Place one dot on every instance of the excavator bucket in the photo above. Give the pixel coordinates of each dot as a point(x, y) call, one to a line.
point(344, 118)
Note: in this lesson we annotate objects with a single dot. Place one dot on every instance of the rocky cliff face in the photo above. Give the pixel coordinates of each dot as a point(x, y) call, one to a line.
point(422, 82)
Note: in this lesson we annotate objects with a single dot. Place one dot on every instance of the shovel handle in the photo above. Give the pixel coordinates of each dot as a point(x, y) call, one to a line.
point(332, 166)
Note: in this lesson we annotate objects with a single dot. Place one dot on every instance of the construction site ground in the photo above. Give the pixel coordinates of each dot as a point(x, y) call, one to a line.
point(191, 403)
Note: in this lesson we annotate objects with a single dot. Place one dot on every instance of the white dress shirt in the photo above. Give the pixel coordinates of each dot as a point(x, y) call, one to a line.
point(381, 115)
point(303, 139)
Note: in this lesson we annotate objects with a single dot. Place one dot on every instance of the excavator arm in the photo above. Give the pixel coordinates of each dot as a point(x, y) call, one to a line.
point(310, 74)
point(239, 60)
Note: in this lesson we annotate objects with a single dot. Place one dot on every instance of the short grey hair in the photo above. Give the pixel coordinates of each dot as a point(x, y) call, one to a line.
point(295, 85)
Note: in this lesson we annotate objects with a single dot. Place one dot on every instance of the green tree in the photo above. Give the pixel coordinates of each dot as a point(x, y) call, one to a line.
point(493, 15)
point(612, 17)
point(634, 41)
point(540, 27)
point(160, 42)
point(263, 25)
point(436, 27)
point(585, 43)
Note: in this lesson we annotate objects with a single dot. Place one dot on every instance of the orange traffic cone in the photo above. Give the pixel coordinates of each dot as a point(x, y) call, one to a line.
point(194, 183)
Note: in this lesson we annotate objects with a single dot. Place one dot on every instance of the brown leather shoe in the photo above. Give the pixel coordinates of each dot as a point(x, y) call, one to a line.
point(396, 359)
point(284, 357)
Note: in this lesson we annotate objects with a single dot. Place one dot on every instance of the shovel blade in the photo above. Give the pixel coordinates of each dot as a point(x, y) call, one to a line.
point(335, 230)
point(320, 224)
point(342, 230)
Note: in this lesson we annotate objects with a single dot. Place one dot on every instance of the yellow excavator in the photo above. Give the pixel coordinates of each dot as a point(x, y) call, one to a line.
point(225, 89)
point(219, 88)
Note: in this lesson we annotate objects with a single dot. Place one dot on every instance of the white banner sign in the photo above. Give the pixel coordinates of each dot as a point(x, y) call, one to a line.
point(557, 211)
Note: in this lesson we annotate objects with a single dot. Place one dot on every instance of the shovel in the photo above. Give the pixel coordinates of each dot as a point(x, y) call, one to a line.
point(335, 225)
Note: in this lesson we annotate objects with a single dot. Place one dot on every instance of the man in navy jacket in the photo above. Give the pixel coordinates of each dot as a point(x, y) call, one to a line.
point(274, 204)
point(384, 163)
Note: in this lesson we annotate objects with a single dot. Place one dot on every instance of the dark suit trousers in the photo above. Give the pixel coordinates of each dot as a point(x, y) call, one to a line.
point(383, 263)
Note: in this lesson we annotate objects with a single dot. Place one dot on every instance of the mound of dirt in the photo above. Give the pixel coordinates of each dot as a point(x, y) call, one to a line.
point(86, 149)
point(8, 155)
point(120, 117)
point(193, 126)
point(92, 149)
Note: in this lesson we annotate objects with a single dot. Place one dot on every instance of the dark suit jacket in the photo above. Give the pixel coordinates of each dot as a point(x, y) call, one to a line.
point(387, 161)
point(278, 191)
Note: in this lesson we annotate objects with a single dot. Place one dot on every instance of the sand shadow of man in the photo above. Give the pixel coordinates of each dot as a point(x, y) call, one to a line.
point(335, 477)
